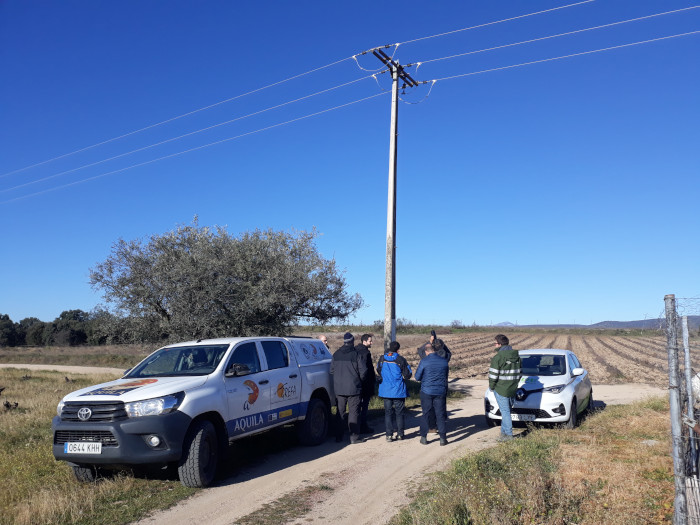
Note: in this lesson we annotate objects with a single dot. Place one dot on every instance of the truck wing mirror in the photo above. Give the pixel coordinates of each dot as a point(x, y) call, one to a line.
point(238, 369)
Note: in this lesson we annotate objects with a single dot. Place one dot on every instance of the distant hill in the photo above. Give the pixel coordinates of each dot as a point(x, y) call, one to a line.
point(644, 324)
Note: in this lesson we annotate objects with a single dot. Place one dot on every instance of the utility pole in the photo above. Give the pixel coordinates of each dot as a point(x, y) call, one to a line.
point(397, 73)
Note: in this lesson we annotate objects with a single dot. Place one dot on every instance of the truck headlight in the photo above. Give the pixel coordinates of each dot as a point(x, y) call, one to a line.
point(155, 406)
point(59, 408)
point(555, 389)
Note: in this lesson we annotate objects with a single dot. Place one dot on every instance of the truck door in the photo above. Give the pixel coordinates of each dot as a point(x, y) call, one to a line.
point(285, 381)
point(248, 395)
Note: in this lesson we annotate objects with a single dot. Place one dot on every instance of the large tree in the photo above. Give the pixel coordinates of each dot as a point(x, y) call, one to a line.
point(196, 282)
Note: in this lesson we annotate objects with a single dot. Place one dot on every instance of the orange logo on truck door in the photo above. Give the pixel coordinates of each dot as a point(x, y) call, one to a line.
point(253, 395)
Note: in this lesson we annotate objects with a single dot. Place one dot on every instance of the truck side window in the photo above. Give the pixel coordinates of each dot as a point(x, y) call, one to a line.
point(246, 354)
point(276, 354)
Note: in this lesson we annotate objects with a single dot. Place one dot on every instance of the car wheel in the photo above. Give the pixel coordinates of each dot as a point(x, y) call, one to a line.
point(314, 428)
point(490, 422)
point(589, 408)
point(198, 464)
point(573, 416)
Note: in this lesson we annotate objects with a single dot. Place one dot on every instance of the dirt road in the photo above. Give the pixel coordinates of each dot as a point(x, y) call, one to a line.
point(358, 474)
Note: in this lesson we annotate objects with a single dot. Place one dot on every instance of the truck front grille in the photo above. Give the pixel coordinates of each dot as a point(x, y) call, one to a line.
point(101, 411)
point(93, 436)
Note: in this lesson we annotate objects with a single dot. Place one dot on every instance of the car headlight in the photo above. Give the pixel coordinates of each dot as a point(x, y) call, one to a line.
point(155, 406)
point(555, 389)
point(59, 408)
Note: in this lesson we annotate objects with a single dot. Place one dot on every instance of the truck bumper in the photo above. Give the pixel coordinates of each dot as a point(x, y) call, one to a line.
point(123, 442)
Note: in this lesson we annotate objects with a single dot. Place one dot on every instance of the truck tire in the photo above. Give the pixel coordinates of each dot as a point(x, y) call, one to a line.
point(314, 429)
point(85, 474)
point(90, 473)
point(200, 456)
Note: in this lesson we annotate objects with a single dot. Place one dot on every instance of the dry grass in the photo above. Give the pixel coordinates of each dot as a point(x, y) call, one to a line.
point(38, 490)
point(615, 469)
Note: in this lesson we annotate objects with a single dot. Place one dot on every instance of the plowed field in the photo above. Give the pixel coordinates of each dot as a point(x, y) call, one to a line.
point(609, 359)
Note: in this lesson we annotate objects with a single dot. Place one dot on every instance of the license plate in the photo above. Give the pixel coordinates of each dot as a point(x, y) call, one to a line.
point(523, 417)
point(83, 447)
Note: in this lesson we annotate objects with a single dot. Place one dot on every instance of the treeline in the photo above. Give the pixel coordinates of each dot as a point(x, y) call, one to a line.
point(71, 328)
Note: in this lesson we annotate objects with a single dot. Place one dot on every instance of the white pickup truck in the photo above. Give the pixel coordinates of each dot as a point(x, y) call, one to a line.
point(185, 402)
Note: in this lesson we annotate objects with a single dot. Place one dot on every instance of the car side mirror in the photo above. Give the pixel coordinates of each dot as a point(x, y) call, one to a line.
point(238, 369)
point(577, 372)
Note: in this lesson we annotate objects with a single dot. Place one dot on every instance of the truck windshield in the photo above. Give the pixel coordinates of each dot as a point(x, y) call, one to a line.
point(180, 361)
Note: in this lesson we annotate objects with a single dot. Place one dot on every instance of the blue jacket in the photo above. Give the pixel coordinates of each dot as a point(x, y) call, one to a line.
point(432, 374)
point(393, 370)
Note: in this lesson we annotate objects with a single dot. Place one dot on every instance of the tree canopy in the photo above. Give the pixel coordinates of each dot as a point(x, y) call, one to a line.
point(197, 282)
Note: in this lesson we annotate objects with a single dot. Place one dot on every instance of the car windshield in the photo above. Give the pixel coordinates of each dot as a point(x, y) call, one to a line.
point(543, 365)
point(180, 361)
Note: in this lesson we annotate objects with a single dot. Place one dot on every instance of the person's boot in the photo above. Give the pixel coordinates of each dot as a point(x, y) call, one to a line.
point(423, 440)
point(443, 441)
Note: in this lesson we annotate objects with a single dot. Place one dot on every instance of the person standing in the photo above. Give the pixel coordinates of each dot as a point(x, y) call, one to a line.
point(369, 382)
point(440, 348)
point(432, 372)
point(324, 340)
point(392, 373)
point(504, 376)
point(349, 371)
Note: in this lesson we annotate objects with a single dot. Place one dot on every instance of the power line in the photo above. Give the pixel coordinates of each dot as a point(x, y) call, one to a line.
point(49, 177)
point(192, 149)
point(552, 36)
point(175, 118)
point(561, 57)
point(495, 22)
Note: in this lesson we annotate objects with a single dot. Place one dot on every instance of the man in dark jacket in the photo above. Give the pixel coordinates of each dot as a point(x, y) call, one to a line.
point(432, 373)
point(368, 384)
point(440, 348)
point(349, 371)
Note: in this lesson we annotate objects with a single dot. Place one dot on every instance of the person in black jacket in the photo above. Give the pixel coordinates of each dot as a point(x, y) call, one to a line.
point(349, 371)
point(368, 384)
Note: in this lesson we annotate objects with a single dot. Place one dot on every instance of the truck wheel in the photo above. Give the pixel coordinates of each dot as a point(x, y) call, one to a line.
point(200, 456)
point(313, 430)
point(90, 473)
point(85, 474)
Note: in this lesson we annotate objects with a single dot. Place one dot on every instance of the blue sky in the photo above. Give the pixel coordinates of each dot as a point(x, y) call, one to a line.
point(557, 192)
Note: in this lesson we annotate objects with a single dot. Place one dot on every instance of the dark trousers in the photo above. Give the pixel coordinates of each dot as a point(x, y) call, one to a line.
point(439, 405)
point(395, 407)
point(349, 415)
point(364, 407)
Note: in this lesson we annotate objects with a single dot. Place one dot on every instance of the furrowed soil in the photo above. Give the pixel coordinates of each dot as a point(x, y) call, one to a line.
point(270, 479)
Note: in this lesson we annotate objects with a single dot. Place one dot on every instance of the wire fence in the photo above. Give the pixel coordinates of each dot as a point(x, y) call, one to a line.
point(682, 327)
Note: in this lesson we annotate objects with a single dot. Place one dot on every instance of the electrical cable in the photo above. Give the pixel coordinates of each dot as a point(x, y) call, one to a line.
point(553, 36)
point(191, 149)
point(182, 136)
point(564, 56)
point(495, 22)
point(174, 118)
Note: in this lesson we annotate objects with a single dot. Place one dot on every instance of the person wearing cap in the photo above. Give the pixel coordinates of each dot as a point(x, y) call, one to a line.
point(368, 385)
point(432, 373)
point(504, 376)
point(349, 371)
point(392, 372)
point(440, 348)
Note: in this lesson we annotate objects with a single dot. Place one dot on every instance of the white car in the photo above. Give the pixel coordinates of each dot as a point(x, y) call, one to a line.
point(554, 388)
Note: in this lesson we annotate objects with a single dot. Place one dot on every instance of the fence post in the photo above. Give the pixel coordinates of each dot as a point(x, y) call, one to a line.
point(679, 505)
point(691, 397)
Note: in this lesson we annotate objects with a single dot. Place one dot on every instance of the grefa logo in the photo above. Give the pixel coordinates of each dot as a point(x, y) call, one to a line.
point(84, 414)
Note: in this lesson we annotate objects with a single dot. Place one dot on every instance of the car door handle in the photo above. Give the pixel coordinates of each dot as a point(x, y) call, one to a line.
point(263, 382)
point(292, 376)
